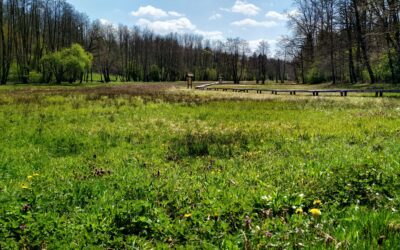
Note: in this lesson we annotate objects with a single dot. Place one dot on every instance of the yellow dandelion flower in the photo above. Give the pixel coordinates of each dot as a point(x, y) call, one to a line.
point(187, 216)
point(30, 177)
point(317, 203)
point(35, 174)
point(315, 212)
point(24, 186)
point(299, 211)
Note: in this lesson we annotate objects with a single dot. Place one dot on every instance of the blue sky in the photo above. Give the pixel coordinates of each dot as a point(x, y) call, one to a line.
point(253, 20)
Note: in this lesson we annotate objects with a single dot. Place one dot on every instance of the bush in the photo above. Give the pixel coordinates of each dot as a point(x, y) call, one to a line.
point(211, 75)
point(13, 76)
point(365, 76)
point(382, 68)
point(315, 76)
point(35, 77)
point(155, 73)
point(68, 64)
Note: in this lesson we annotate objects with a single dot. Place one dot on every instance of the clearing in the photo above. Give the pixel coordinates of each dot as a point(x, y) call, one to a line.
point(157, 166)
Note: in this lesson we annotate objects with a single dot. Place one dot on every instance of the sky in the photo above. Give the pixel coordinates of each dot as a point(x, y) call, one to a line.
point(252, 20)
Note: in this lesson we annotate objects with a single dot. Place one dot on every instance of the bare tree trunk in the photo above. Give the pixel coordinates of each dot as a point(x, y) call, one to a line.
point(332, 55)
point(284, 70)
point(348, 21)
point(3, 46)
point(303, 80)
point(362, 42)
point(296, 78)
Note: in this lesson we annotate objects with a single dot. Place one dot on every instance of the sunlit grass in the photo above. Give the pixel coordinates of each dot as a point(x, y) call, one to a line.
point(123, 166)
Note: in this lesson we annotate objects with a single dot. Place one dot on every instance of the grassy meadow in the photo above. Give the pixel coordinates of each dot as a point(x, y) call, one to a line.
point(156, 166)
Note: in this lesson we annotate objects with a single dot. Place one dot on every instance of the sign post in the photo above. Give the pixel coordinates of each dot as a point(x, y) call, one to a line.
point(189, 78)
point(220, 79)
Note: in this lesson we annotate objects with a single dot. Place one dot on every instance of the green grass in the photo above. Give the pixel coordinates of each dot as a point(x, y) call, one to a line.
point(128, 167)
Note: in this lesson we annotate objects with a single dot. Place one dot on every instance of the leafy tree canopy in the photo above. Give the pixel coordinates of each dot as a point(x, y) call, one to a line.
point(68, 64)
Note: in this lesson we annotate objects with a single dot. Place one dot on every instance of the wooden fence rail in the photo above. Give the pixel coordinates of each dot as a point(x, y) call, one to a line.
point(342, 92)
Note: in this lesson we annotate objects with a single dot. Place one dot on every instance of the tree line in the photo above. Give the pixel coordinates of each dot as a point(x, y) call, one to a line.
point(345, 41)
point(32, 31)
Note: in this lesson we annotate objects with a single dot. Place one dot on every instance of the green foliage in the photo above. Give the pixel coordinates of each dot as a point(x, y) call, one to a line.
point(155, 73)
point(382, 69)
point(315, 75)
point(13, 76)
point(365, 76)
point(35, 77)
point(68, 64)
point(211, 75)
point(84, 168)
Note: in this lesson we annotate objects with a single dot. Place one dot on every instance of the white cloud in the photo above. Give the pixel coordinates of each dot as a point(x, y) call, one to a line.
point(215, 17)
point(175, 14)
point(293, 13)
point(273, 15)
point(226, 9)
point(245, 8)
point(105, 21)
point(254, 23)
point(149, 11)
point(253, 44)
point(153, 12)
point(211, 35)
point(178, 25)
point(277, 16)
point(167, 26)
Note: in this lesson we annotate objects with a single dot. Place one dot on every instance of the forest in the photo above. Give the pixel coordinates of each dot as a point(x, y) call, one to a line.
point(346, 41)
point(32, 29)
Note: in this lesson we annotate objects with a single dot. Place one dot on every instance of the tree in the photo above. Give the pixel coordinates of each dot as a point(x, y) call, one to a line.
point(357, 5)
point(347, 40)
point(32, 30)
point(236, 50)
point(69, 64)
point(5, 46)
point(263, 50)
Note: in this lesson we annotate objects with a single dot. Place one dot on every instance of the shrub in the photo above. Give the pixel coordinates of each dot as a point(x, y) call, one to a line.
point(382, 68)
point(35, 77)
point(211, 74)
point(155, 73)
point(13, 76)
point(68, 64)
point(315, 76)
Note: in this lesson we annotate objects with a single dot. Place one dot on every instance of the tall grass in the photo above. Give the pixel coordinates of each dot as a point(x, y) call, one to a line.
point(121, 167)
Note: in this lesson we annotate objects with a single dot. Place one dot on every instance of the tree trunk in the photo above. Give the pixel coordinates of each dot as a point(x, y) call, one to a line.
point(362, 42)
point(352, 73)
point(284, 71)
point(296, 78)
point(3, 45)
point(332, 55)
point(303, 80)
